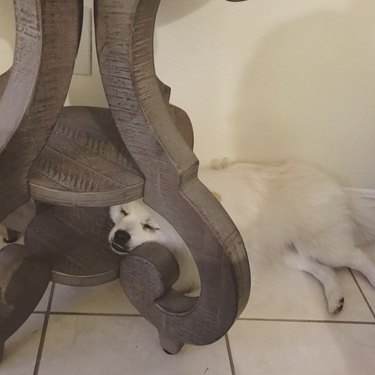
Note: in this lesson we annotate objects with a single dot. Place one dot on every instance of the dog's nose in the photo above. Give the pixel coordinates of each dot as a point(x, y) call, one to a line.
point(120, 240)
point(121, 237)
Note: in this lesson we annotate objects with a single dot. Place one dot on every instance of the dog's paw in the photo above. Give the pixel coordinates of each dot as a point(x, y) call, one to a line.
point(335, 305)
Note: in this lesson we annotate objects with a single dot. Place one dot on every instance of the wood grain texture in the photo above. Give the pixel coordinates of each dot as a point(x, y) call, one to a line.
point(95, 158)
point(183, 124)
point(46, 44)
point(85, 163)
point(124, 31)
point(4, 81)
point(9, 235)
point(73, 241)
point(19, 219)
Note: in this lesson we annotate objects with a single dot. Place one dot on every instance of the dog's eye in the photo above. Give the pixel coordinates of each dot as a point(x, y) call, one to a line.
point(149, 228)
point(123, 212)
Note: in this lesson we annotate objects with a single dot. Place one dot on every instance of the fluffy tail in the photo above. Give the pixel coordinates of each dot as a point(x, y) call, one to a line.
point(364, 218)
point(362, 208)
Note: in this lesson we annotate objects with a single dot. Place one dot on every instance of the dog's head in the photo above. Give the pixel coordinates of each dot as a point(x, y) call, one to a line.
point(136, 223)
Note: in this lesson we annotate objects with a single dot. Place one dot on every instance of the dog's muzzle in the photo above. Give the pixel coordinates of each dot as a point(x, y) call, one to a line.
point(120, 242)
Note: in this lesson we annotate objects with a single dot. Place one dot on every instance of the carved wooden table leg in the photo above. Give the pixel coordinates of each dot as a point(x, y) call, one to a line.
point(16, 223)
point(9, 235)
point(32, 95)
point(124, 31)
point(147, 275)
point(23, 281)
point(4, 81)
point(88, 158)
point(47, 39)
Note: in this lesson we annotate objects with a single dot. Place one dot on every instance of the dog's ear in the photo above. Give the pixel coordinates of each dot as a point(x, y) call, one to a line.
point(217, 195)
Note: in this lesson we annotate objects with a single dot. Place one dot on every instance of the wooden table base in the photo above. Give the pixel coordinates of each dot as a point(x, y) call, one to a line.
point(75, 162)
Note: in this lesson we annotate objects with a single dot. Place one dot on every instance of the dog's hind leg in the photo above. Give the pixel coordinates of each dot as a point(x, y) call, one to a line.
point(321, 272)
point(358, 260)
point(337, 249)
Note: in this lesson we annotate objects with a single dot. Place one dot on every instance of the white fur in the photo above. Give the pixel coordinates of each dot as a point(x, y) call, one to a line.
point(297, 212)
point(138, 214)
point(289, 209)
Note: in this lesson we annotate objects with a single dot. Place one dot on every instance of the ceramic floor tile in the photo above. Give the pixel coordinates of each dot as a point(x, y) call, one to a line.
point(106, 298)
point(279, 292)
point(95, 345)
point(21, 348)
point(283, 348)
point(366, 287)
point(43, 304)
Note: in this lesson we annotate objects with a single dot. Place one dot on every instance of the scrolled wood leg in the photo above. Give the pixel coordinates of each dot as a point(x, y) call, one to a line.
point(47, 38)
point(2, 346)
point(170, 345)
point(9, 235)
point(146, 275)
point(151, 129)
point(23, 281)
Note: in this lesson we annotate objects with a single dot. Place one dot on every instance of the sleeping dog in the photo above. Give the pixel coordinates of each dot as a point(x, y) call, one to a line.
point(136, 223)
point(292, 210)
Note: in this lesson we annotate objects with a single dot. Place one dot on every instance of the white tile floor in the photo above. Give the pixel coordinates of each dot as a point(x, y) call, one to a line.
point(285, 329)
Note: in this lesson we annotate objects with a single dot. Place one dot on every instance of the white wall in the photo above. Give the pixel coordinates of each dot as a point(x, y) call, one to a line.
point(7, 34)
point(266, 79)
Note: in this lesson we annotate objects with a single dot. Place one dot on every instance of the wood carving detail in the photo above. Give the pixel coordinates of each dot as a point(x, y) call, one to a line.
point(125, 47)
point(60, 169)
point(85, 162)
point(47, 39)
point(23, 281)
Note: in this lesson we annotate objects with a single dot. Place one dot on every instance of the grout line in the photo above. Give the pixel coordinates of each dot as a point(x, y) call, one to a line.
point(96, 314)
point(233, 370)
point(44, 331)
point(90, 314)
point(358, 322)
point(363, 294)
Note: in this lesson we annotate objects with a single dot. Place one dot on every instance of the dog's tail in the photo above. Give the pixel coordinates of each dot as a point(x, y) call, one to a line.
point(364, 218)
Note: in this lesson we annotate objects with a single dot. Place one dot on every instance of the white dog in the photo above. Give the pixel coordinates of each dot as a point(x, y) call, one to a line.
point(291, 209)
point(137, 223)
